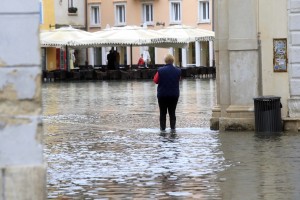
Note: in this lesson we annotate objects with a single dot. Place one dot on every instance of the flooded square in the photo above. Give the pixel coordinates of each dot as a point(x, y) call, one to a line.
point(102, 141)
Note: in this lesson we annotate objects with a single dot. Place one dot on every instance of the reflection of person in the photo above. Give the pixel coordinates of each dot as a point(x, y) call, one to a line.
point(167, 78)
point(141, 61)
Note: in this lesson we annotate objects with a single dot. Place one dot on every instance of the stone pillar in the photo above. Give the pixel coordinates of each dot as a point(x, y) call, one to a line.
point(104, 55)
point(91, 55)
point(237, 64)
point(211, 53)
point(294, 66)
point(171, 51)
point(22, 168)
point(198, 53)
point(184, 57)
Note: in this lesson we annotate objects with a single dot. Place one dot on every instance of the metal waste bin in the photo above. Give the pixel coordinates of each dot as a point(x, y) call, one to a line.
point(267, 110)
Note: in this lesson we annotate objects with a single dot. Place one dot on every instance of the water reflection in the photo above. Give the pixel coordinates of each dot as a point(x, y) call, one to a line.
point(262, 166)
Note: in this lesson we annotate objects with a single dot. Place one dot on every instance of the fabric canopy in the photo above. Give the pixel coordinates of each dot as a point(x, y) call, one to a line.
point(128, 36)
point(187, 34)
point(65, 36)
point(172, 36)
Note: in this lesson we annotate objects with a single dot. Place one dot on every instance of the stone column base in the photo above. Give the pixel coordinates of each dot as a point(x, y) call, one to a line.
point(214, 121)
point(291, 124)
point(236, 118)
point(236, 124)
point(23, 182)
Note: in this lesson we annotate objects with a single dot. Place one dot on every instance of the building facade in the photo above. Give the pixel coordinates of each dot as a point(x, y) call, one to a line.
point(257, 54)
point(156, 15)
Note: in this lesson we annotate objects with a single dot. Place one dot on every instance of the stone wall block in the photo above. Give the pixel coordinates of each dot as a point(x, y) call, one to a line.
point(20, 90)
point(21, 30)
point(295, 38)
point(294, 54)
point(18, 6)
point(295, 71)
point(295, 5)
point(294, 22)
point(21, 141)
point(294, 108)
point(295, 87)
point(24, 182)
point(1, 182)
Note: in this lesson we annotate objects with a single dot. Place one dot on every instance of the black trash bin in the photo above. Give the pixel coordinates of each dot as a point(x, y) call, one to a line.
point(267, 110)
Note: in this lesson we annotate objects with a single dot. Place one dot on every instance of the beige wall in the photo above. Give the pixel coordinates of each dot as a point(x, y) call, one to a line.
point(240, 74)
point(274, 83)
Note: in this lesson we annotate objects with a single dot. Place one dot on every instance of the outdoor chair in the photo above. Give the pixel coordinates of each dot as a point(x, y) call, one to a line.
point(100, 75)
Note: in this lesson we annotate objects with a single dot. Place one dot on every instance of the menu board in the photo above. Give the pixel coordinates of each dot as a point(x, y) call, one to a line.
point(280, 55)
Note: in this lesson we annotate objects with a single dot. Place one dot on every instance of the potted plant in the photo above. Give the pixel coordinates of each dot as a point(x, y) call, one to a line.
point(72, 9)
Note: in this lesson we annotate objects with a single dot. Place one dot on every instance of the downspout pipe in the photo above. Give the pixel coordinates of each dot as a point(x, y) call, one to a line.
point(259, 71)
point(86, 28)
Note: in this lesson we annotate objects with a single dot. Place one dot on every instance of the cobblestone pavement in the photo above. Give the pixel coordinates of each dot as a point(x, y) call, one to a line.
point(102, 142)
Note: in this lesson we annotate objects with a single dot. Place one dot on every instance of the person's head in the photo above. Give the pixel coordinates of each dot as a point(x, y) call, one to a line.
point(169, 59)
point(141, 55)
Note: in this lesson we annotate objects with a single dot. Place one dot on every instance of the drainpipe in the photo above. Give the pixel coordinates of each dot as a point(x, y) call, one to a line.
point(259, 71)
point(213, 29)
point(259, 84)
point(86, 28)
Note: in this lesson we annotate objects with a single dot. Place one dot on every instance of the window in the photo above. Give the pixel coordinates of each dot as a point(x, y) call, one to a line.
point(71, 3)
point(147, 13)
point(204, 11)
point(72, 9)
point(120, 14)
point(41, 12)
point(95, 15)
point(175, 12)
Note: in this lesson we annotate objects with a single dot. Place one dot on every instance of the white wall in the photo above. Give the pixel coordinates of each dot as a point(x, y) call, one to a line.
point(62, 15)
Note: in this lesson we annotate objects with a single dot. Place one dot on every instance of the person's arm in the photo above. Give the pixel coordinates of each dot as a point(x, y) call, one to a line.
point(156, 78)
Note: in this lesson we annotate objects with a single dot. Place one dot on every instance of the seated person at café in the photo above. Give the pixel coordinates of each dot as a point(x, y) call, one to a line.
point(141, 62)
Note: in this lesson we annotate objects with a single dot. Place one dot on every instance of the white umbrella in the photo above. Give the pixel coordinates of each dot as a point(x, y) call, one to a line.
point(186, 34)
point(127, 36)
point(65, 36)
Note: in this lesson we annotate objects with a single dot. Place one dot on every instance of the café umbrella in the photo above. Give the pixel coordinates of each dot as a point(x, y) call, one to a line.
point(64, 37)
point(187, 34)
point(130, 36)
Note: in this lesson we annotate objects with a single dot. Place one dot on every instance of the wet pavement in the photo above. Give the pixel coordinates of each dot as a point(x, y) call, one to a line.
point(102, 141)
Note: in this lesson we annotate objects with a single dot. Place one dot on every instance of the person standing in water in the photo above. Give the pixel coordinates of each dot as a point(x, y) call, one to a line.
point(167, 78)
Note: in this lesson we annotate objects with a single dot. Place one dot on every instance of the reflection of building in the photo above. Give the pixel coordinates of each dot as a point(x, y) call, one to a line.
point(156, 14)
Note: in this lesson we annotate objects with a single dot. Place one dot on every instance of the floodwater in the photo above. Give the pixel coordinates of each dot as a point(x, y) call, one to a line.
point(102, 141)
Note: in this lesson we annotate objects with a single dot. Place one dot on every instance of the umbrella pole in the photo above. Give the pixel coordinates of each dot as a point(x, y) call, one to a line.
point(67, 58)
point(131, 56)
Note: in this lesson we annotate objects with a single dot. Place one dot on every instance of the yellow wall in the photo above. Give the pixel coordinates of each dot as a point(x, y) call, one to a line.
point(49, 18)
point(51, 59)
point(49, 14)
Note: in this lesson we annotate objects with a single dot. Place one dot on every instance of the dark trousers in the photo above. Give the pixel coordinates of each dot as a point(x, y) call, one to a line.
point(167, 104)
